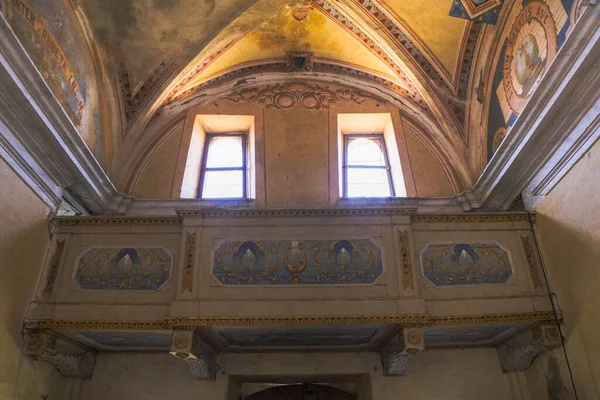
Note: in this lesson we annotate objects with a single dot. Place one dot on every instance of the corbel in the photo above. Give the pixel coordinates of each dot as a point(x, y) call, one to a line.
point(70, 360)
point(199, 356)
point(519, 352)
point(396, 353)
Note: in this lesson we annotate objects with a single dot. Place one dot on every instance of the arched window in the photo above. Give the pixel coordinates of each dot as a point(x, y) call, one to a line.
point(366, 167)
point(224, 170)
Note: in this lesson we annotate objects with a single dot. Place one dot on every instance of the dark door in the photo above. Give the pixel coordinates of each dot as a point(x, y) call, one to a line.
point(302, 392)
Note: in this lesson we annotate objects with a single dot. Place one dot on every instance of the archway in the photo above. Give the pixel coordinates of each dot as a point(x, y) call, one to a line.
point(302, 392)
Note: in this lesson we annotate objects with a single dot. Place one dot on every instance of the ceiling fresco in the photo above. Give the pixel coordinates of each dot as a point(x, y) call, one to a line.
point(444, 60)
point(316, 33)
point(428, 20)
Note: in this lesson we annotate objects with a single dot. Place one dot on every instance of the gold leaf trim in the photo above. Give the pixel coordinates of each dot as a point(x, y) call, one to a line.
point(533, 269)
point(115, 221)
point(191, 323)
point(470, 218)
point(188, 269)
point(406, 267)
point(53, 269)
point(293, 213)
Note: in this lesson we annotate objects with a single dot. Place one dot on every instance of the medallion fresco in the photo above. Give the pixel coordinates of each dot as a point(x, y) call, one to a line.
point(465, 264)
point(124, 269)
point(283, 262)
point(534, 36)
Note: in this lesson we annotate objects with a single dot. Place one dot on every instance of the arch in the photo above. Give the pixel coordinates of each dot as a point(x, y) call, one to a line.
point(451, 152)
point(411, 68)
point(302, 392)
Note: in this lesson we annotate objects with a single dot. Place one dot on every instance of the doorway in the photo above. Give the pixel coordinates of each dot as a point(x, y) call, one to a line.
point(302, 392)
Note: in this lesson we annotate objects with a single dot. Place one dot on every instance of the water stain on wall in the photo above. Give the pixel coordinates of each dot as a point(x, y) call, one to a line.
point(139, 33)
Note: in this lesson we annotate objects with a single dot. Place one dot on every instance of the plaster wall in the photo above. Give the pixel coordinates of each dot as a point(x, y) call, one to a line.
point(458, 375)
point(23, 243)
point(297, 159)
point(157, 181)
point(568, 227)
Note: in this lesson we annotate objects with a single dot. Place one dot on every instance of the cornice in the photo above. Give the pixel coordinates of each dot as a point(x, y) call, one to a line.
point(40, 142)
point(557, 126)
point(86, 221)
point(294, 213)
point(471, 218)
point(192, 323)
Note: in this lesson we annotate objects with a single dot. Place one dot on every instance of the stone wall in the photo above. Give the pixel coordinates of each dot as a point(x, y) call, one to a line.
point(568, 226)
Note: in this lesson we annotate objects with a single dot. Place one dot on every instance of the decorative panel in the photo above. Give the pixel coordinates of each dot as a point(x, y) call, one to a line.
point(122, 340)
point(469, 335)
point(298, 337)
point(486, 11)
point(315, 262)
point(124, 269)
point(465, 264)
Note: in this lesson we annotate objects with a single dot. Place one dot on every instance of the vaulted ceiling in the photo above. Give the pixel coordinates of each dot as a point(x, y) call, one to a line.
point(166, 50)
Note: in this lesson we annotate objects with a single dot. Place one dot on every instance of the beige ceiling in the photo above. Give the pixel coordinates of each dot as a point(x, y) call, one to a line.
point(430, 22)
point(282, 33)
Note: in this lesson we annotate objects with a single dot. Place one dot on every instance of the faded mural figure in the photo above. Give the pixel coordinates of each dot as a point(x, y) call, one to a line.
point(528, 64)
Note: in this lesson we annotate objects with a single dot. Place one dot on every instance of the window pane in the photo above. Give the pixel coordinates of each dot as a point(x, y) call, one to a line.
point(368, 182)
point(223, 184)
point(364, 151)
point(225, 151)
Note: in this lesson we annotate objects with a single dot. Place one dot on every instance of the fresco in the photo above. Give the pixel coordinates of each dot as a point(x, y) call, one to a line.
point(534, 36)
point(124, 340)
point(124, 269)
point(296, 337)
point(282, 262)
point(465, 264)
point(50, 33)
point(486, 11)
point(467, 335)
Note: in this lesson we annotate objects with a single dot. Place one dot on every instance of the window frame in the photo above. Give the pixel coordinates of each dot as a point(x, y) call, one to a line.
point(346, 167)
point(243, 168)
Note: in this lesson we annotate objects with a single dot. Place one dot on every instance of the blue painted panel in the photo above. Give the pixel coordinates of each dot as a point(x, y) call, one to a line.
point(465, 335)
point(124, 269)
point(465, 264)
point(316, 262)
point(489, 16)
point(128, 340)
point(298, 337)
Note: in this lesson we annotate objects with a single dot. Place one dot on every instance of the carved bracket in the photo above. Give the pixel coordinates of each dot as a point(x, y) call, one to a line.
point(519, 353)
point(396, 353)
point(70, 360)
point(200, 358)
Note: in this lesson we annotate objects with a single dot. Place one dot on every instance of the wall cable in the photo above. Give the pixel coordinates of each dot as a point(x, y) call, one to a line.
point(554, 310)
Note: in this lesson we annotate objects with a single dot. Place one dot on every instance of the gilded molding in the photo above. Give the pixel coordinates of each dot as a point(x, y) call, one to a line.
point(406, 267)
point(533, 269)
point(470, 218)
point(194, 322)
point(294, 213)
point(188, 270)
point(115, 221)
point(53, 269)
point(97, 325)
